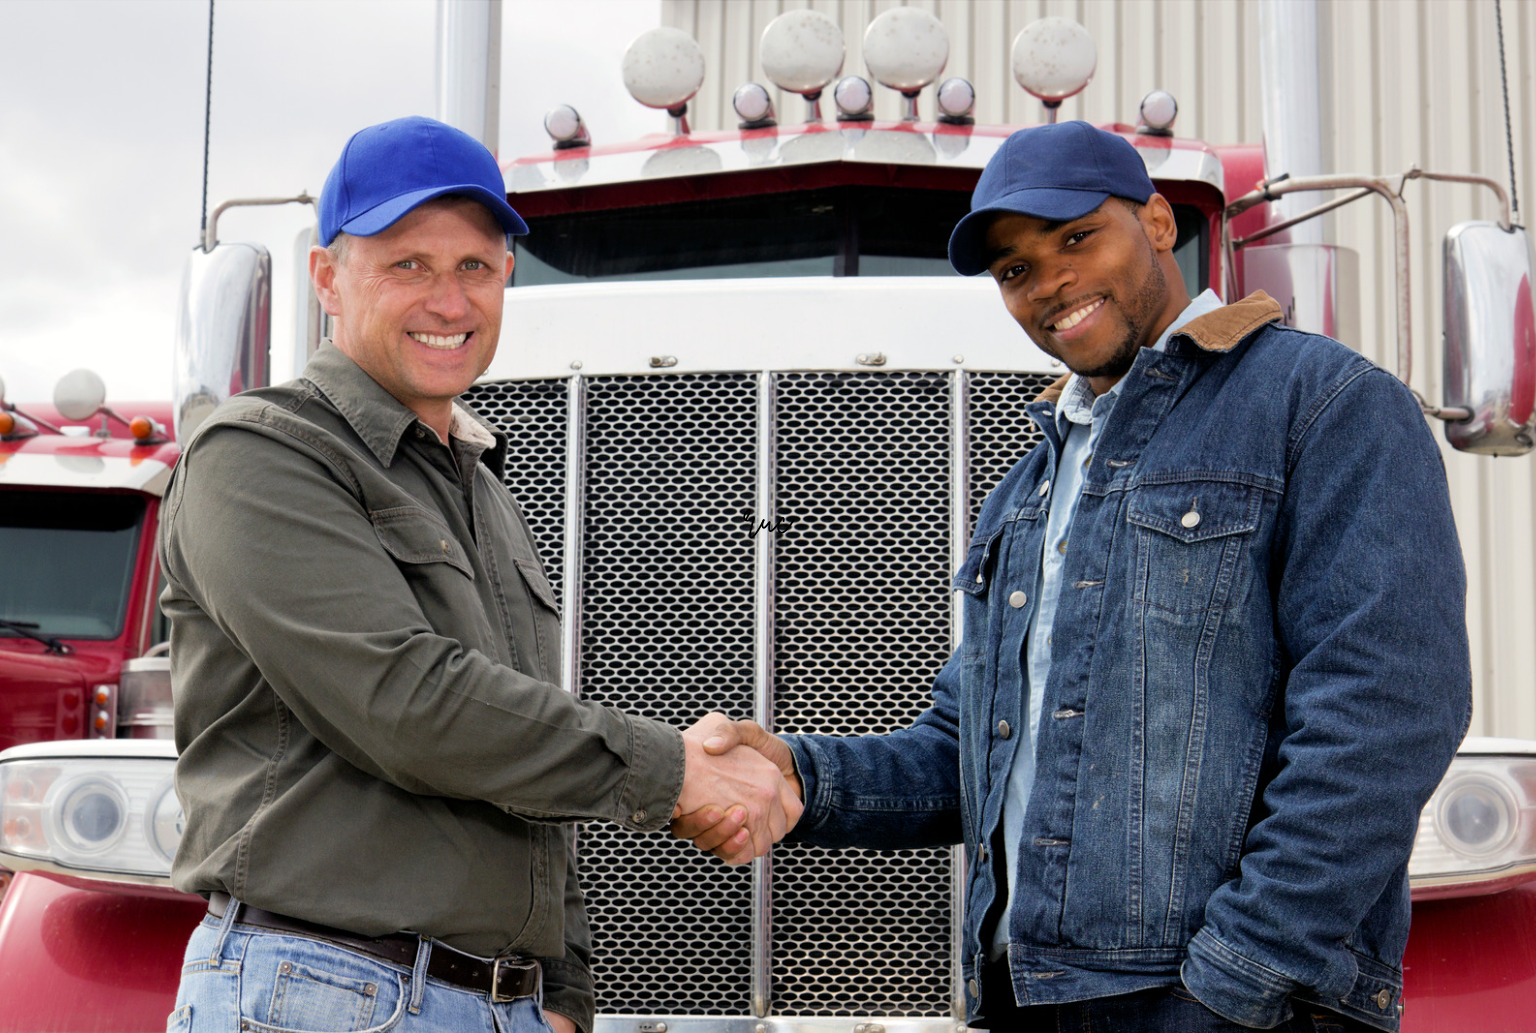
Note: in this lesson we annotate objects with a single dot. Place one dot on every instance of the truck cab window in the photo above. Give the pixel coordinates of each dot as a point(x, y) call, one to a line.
point(66, 561)
point(837, 231)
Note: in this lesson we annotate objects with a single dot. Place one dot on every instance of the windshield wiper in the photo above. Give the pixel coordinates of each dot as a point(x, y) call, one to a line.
point(27, 629)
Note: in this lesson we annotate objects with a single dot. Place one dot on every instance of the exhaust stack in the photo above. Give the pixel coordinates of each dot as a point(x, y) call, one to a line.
point(469, 67)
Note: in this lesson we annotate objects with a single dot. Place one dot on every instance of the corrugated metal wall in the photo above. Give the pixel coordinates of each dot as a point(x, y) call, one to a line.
point(1404, 82)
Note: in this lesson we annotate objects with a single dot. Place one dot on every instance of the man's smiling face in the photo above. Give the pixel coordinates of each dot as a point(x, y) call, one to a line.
point(419, 305)
point(1092, 291)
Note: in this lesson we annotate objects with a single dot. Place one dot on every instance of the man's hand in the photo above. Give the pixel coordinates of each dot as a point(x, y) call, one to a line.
point(559, 1022)
point(724, 832)
point(725, 776)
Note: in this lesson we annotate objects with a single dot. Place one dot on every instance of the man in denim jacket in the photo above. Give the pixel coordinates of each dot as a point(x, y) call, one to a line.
point(1214, 657)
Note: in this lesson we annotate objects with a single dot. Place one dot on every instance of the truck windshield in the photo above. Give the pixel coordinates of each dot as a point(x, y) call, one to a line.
point(837, 231)
point(66, 561)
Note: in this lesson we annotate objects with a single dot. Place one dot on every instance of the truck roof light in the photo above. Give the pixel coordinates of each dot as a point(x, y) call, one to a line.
point(1478, 831)
point(1158, 110)
point(564, 125)
point(753, 106)
point(664, 68)
point(79, 395)
point(1053, 59)
point(956, 100)
point(802, 52)
point(906, 48)
point(7, 424)
point(854, 99)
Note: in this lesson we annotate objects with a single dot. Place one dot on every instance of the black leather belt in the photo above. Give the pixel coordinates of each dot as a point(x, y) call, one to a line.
point(503, 978)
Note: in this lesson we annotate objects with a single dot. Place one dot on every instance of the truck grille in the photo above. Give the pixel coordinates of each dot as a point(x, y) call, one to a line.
point(863, 481)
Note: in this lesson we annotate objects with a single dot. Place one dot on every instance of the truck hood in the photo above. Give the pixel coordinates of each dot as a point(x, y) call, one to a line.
point(42, 697)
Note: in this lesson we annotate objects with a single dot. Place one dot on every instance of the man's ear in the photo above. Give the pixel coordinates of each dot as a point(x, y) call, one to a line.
point(511, 260)
point(1158, 222)
point(322, 273)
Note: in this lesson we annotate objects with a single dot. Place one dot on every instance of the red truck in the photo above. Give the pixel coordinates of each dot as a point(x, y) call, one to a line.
point(752, 416)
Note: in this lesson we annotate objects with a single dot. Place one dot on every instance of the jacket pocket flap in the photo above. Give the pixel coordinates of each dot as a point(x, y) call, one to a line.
point(1194, 511)
point(413, 535)
point(971, 578)
point(533, 573)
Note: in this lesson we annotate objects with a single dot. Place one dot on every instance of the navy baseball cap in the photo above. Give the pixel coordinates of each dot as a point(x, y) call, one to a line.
point(1056, 172)
point(388, 169)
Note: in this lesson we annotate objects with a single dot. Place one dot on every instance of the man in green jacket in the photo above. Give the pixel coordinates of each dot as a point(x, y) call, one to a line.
point(378, 764)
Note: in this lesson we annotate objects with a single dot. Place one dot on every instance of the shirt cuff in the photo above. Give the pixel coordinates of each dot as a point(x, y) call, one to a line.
point(1235, 987)
point(656, 766)
point(805, 768)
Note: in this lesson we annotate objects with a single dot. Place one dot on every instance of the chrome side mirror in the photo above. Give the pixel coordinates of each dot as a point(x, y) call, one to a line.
point(1490, 339)
point(224, 333)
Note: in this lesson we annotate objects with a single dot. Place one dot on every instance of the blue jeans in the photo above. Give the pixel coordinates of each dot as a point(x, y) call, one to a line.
point(240, 979)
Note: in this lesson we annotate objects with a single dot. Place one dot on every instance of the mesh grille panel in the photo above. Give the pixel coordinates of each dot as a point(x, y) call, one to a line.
point(862, 624)
point(532, 414)
point(1000, 430)
point(667, 631)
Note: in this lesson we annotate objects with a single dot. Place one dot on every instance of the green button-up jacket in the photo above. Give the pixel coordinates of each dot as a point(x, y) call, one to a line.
point(365, 656)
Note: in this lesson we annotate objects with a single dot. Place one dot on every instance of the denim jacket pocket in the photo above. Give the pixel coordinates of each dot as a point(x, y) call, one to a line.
point(1191, 533)
point(971, 578)
point(413, 535)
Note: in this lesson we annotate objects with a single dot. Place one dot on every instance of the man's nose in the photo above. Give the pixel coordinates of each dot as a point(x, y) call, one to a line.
point(1050, 279)
point(447, 299)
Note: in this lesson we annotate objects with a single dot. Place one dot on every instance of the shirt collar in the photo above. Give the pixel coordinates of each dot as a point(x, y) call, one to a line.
point(1078, 402)
point(377, 416)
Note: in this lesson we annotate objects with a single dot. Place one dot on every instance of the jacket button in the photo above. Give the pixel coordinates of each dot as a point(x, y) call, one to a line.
point(1044, 488)
point(1384, 999)
point(1003, 729)
point(1190, 519)
point(638, 817)
point(1017, 600)
point(981, 853)
point(444, 543)
point(973, 988)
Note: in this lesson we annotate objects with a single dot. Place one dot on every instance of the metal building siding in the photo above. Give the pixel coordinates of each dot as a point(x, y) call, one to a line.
point(1403, 82)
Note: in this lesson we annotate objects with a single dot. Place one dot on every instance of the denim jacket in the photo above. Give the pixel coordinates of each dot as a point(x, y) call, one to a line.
point(1260, 673)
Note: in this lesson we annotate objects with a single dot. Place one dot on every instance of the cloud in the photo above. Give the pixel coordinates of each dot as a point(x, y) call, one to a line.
point(101, 111)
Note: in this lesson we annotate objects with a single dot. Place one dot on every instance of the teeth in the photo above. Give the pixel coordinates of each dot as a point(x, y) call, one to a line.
point(434, 341)
point(1077, 317)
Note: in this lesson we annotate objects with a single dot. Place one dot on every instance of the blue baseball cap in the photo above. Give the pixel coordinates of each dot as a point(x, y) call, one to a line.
point(388, 169)
point(1056, 172)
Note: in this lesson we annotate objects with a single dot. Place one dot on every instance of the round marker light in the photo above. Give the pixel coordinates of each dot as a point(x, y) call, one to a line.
point(801, 51)
point(753, 105)
point(1158, 110)
point(854, 99)
point(1477, 816)
point(663, 68)
point(79, 395)
point(141, 427)
point(956, 99)
point(1053, 59)
point(906, 48)
point(564, 125)
point(7, 424)
point(91, 815)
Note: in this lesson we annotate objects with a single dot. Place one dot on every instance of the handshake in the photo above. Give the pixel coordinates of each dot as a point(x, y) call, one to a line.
point(740, 791)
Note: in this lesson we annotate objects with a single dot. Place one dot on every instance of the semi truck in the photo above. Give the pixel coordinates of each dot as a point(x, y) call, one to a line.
point(751, 417)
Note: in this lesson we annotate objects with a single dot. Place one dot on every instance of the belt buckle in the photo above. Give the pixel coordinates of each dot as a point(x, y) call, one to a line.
point(513, 964)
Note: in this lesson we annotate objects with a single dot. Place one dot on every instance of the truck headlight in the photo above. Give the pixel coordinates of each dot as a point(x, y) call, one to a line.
point(1478, 832)
point(96, 808)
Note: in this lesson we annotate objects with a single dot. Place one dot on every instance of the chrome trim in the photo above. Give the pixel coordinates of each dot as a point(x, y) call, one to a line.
point(211, 234)
point(762, 696)
point(789, 1024)
point(817, 143)
point(1485, 359)
point(575, 463)
point(959, 503)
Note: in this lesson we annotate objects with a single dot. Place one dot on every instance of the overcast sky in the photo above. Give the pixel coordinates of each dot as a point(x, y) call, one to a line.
point(101, 137)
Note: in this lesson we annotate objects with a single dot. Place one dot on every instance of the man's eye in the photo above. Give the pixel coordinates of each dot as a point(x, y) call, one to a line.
point(1012, 271)
point(474, 265)
point(1078, 236)
point(409, 263)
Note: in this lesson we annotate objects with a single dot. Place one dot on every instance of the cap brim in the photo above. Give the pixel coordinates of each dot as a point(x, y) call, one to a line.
point(385, 214)
point(967, 243)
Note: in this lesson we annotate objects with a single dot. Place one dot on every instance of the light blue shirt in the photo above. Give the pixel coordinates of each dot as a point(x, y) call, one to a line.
point(1078, 409)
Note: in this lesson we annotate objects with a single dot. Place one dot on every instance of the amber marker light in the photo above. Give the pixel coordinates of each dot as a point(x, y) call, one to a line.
point(141, 427)
point(7, 423)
